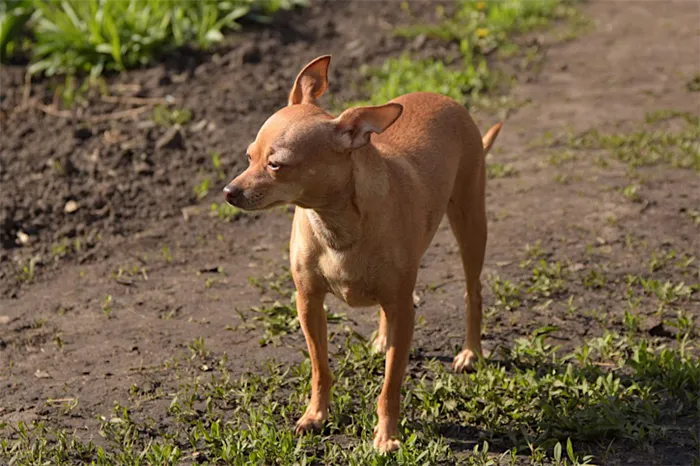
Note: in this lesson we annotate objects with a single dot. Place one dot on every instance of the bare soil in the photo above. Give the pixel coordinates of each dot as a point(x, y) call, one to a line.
point(60, 334)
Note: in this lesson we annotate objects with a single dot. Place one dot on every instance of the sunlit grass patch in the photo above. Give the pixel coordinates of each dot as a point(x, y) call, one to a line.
point(71, 36)
point(480, 28)
point(621, 390)
point(677, 145)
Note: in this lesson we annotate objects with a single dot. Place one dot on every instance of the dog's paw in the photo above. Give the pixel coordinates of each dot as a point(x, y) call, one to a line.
point(310, 422)
point(379, 344)
point(465, 361)
point(385, 441)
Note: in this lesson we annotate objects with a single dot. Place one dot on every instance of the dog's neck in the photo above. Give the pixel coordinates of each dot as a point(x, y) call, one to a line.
point(339, 224)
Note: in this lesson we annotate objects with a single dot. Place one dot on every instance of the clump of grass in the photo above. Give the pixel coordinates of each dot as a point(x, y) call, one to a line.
point(480, 27)
point(649, 146)
point(93, 36)
point(538, 406)
point(402, 75)
point(225, 211)
point(13, 18)
point(282, 319)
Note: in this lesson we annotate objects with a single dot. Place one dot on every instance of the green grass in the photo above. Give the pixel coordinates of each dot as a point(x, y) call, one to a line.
point(480, 28)
point(13, 19)
point(90, 36)
point(613, 390)
point(656, 143)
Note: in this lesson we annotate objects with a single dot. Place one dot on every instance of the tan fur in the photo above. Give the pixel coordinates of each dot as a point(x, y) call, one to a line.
point(366, 213)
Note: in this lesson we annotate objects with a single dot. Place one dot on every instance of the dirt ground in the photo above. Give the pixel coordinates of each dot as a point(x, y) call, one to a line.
point(78, 328)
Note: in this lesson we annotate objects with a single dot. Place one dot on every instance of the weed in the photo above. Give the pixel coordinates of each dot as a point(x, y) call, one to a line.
point(166, 117)
point(685, 324)
point(28, 271)
point(559, 158)
point(507, 294)
point(202, 189)
point(216, 163)
point(631, 192)
point(500, 170)
point(107, 306)
point(547, 279)
point(167, 255)
point(225, 211)
point(595, 279)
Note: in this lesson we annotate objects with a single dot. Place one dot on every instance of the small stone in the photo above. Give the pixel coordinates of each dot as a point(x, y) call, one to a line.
point(39, 374)
point(143, 168)
point(70, 207)
point(22, 238)
point(4, 320)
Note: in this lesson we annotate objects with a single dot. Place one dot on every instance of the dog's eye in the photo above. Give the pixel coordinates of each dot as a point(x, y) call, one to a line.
point(247, 155)
point(273, 166)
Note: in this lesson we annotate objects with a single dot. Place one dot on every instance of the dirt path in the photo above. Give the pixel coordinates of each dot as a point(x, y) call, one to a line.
point(82, 329)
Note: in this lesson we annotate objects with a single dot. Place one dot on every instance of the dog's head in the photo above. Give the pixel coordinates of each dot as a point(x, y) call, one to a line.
point(301, 154)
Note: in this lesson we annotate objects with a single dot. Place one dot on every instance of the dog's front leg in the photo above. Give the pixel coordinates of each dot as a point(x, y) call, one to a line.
point(312, 318)
point(399, 329)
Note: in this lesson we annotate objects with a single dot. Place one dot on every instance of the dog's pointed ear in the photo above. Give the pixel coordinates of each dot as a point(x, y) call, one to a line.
point(355, 125)
point(311, 82)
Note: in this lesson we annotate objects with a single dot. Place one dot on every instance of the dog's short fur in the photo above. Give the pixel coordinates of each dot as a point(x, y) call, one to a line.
point(368, 206)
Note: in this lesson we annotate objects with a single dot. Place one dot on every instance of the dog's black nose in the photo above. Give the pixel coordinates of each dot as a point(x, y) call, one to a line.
point(232, 193)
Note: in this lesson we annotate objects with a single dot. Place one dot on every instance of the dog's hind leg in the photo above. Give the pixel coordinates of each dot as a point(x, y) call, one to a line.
point(467, 218)
point(466, 212)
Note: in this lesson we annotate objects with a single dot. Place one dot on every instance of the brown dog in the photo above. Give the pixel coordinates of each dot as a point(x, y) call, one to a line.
point(367, 208)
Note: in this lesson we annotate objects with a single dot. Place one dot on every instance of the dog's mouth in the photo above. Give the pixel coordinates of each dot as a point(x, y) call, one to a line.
point(249, 201)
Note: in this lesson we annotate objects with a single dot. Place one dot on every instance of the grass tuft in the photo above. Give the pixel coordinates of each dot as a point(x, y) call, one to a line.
point(92, 36)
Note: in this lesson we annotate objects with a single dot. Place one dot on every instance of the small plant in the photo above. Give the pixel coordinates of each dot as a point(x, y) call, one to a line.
point(685, 324)
point(216, 163)
point(631, 192)
point(500, 170)
point(28, 271)
point(107, 306)
point(225, 211)
point(659, 261)
point(198, 348)
point(547, 279)
point(202, 189)
point(595, 279)
point(506, 293)
point(164, 116)
point(167, 255)
point(694, 216)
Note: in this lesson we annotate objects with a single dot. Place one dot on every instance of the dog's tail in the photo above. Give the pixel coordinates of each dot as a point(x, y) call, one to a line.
point(490, 137)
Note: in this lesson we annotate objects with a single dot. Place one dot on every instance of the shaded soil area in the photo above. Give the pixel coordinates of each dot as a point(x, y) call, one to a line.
point(113, 261)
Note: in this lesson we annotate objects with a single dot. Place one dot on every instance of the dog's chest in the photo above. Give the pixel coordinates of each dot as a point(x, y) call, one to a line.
point(350, 277)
